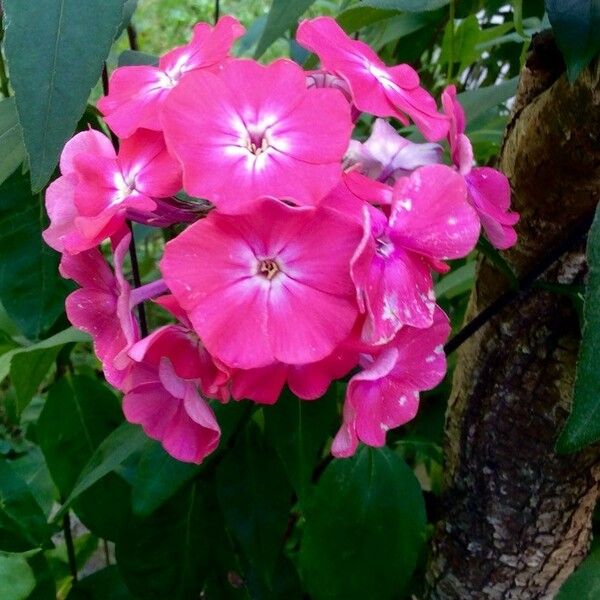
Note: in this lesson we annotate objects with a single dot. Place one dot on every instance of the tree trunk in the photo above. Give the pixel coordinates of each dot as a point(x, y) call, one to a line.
point(517, 517)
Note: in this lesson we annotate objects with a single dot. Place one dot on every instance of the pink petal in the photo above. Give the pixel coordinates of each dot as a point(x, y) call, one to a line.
point(262, 385)
point(87, 142)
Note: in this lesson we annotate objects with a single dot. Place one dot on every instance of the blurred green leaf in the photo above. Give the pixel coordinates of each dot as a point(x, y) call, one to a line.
point(298, 430)
point(478, 101)
point(365, 528)
point(166, 555)
point(106, 584)
point(407, 5)
point(583, 424)
point(17, 579)
point(55, 50)
point(22, 523)
point(576, 24)
point(129, 7)
point(395, 28)
point(134, 57)
point(356, 17)
point(457, 282)
point(32, 468)
point(282, 16)
point(31, 289)
point(11, 139)
point(459, 43)
point(255, 497)
point(584, 583)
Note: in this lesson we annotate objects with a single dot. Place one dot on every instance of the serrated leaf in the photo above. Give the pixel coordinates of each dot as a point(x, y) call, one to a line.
point(364, 530)
point(575, 24)
point(282, 16)
point(31, 289)
point(583, 425)
point(11, 139)
point(55, 50)
point(22, 523)
point(298, 430)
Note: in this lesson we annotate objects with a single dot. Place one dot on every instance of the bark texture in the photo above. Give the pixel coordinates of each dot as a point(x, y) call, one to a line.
point(517, 516)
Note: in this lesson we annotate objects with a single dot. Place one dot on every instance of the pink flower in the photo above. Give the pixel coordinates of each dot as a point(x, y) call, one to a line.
point(136, 93)
point(102, 307)
point(308, 382)
point(429, 221)
point(386, 155)
point(385, 394)
point(376, 88)
point(269, 286)
point(91, 200)
point(162, 393)
point(488, 189)
point(259, 131)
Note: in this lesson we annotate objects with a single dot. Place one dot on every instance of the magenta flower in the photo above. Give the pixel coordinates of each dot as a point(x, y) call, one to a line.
point(429, 221)
point(386, 155)
point(488, 189)
point(91, 200)
point(269, 286)
point(162, 393)
point(102, 307)
point(136, 93)
point(260, 131)
point(376, 88)
point(385, 394)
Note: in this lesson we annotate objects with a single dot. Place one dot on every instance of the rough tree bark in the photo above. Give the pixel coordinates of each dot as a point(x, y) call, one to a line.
point(517, 517)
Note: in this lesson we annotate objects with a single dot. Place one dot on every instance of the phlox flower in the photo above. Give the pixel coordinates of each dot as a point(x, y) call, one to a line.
point(256, 130)
point(102, 307)
point(488, 189)
point(385, 393)
point(161, 393)
point(429, 221)
point(376, 88)
point(136, 93)
point(386, 155)
point(272, 285)
point(91, 200)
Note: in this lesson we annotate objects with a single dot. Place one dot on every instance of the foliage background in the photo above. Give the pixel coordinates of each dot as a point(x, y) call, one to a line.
point(89, 508)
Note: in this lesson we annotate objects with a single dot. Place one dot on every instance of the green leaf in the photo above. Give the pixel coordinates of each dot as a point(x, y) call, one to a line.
point(583, 424)
point(396, 27)
point(356, 17)
point(22, 523)
point(124, 441)
point(584, 583)
point(407, 5)
point(28, 370)
point(478, 101)
point(17, 577)
point(106, 584)
point(80, 412)
point(459, 43)
point(255, 497)
point(134, 57)
point(67, 336)
point(11, 139)
point(166, 554)
point(31, 289)
point(282, 16)
point(575, 24)
point(457, 282)
point(364, 530)
point(298, 430)
point(55, 50)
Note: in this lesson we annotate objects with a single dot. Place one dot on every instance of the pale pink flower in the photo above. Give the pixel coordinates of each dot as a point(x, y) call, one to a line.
point(91, 200)
point(162, 393)
point(385, 394)
point(429, 221)
point(269, 286)
point(102, 307)
point(386, 155)
point(376, 88)
point(488, 189)
point(256, 130)
point(136, 93)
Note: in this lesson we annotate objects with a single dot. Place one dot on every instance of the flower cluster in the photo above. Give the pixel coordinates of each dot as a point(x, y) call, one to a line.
point(303, 256)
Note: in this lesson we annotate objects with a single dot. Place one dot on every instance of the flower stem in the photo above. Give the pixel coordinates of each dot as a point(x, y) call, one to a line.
point(135, 270)
point(70, 546)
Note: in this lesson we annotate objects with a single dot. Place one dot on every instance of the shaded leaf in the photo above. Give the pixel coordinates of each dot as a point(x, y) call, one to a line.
point(478, 101)
point(17, 577)
point(583, 425)
point(365, 528)
point(282, 16)
point(55, 50)
point(106, 584)
point(407, 5)
point(11, 139)
point(31, 288)
point(134, 57)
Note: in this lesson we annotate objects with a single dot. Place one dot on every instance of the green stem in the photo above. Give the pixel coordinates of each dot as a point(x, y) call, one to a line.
point(70, 545)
